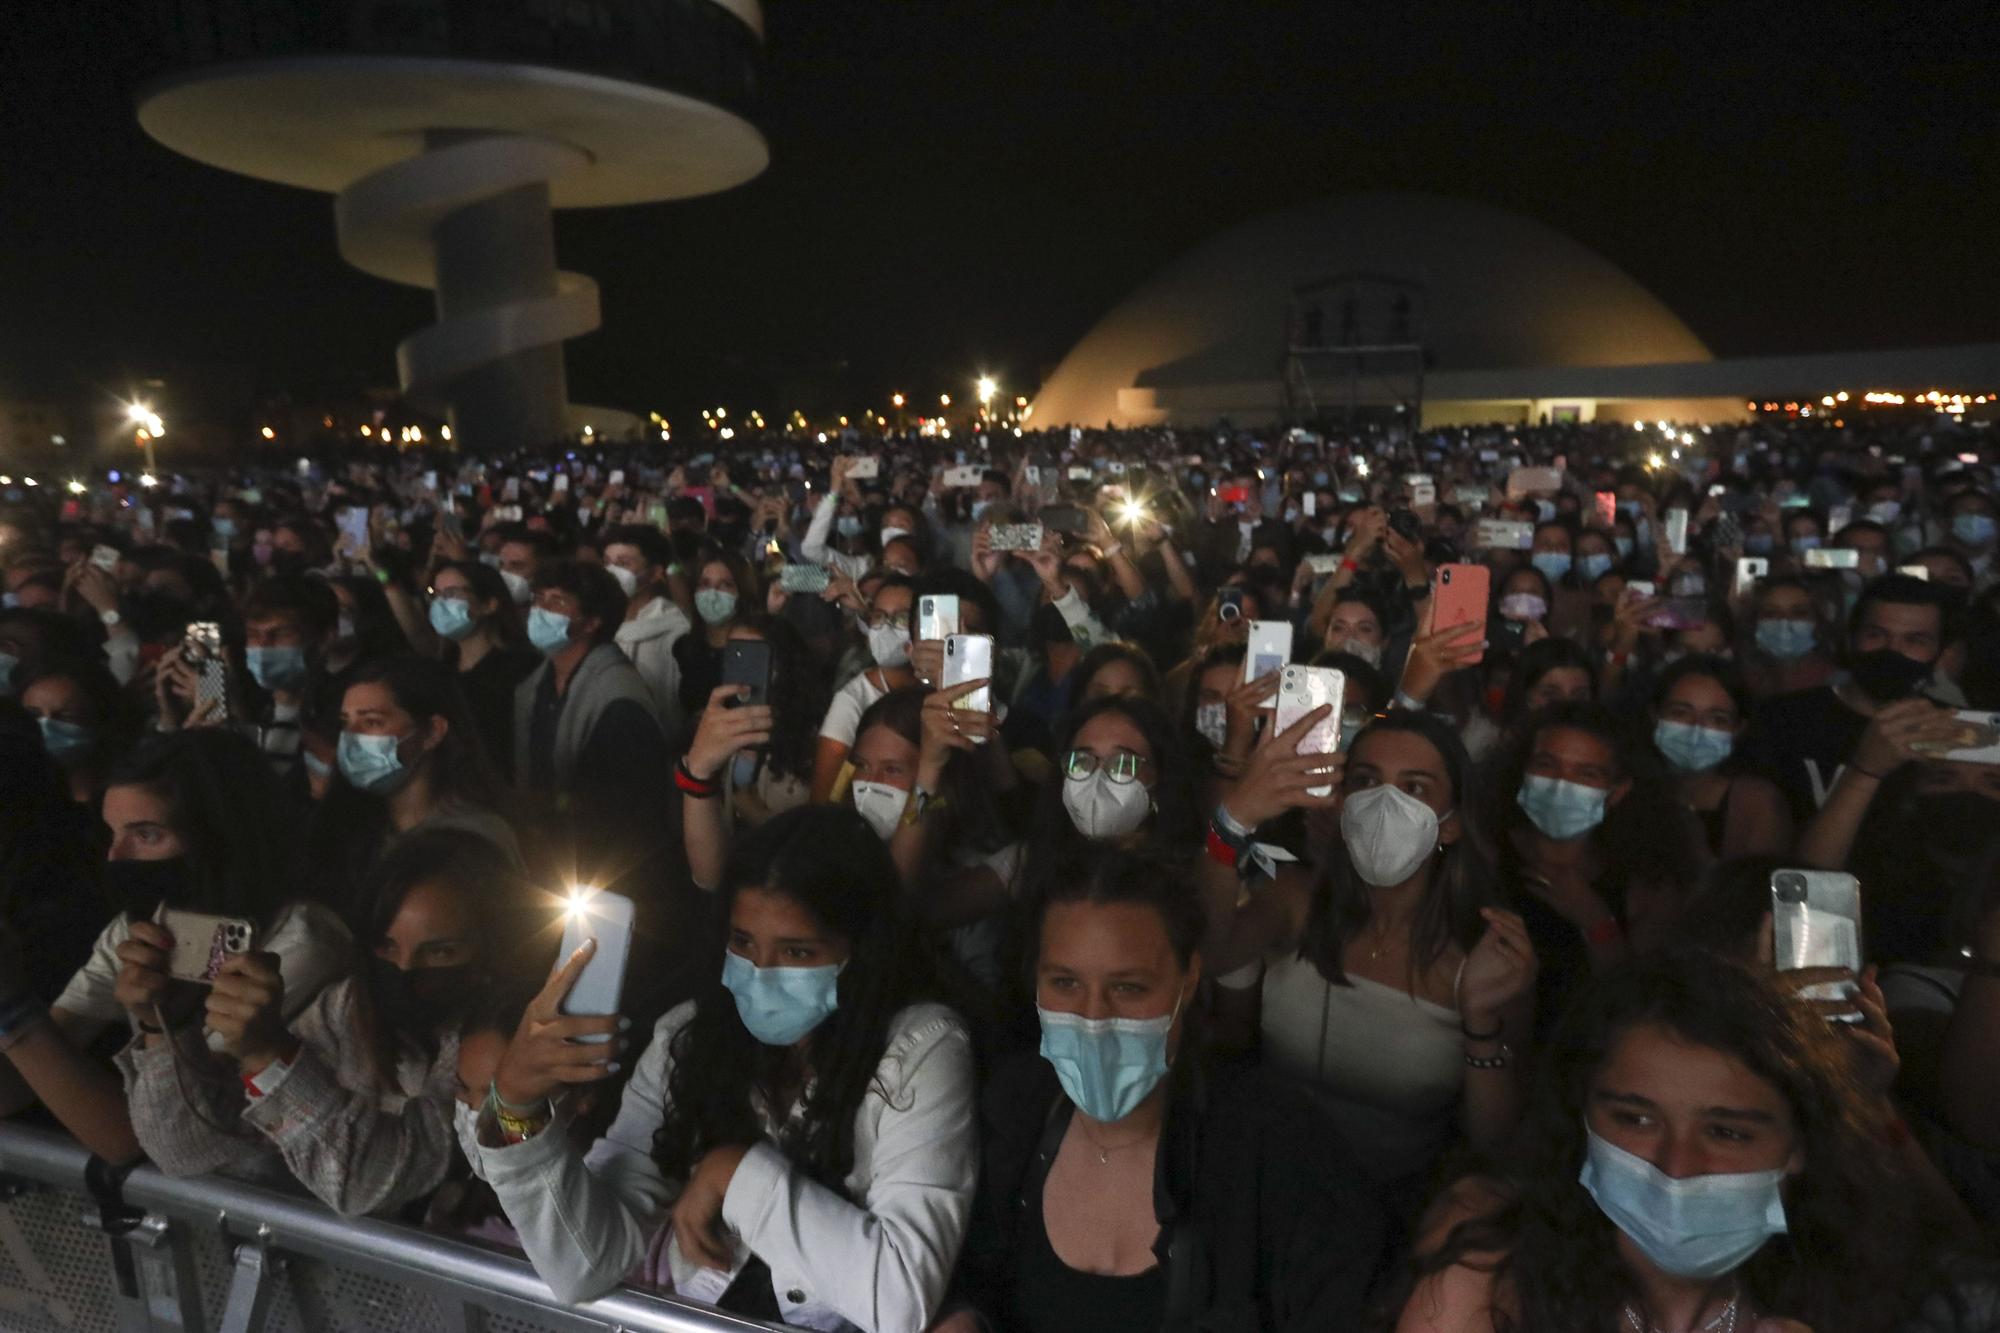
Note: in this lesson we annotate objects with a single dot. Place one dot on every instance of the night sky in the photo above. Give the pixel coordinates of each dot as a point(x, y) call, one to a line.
point(960, 186)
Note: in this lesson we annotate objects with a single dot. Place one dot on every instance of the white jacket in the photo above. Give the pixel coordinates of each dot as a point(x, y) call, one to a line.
point(881, 1265)
point(648, 639)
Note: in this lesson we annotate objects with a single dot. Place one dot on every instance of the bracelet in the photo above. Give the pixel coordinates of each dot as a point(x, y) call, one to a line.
point(518, 1128)
point(1605, 933)
point(692, 785)
point(148, 1029)
point(1499, 1030)
point(1500, 1061)
point(1237, 833)
point(1111, 552)
point(1348, 565)
point(502, 1104)
point(1220, 850)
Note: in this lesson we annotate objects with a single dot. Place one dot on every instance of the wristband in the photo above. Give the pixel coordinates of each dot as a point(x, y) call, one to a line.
point(1501, 1060)
point(1347, 564)
point(696, 787)
point(1111, 551)
point(1617, 659)
point(1234, 830)
point(1605, 933)
point(1220, 850)
point(266, 1080)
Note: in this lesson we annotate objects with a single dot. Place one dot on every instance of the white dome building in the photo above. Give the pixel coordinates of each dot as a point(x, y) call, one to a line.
point(1376, 299)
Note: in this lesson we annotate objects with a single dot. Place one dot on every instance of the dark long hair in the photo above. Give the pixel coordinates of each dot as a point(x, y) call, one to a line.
point(1054, 837)
point(827, 860)
point(1856, 1253)
point(350, 826)
point(798, 694)
point(488, 586)
point(470, 866)
point(376, 630)
point(1460, 884)
point(230, 813)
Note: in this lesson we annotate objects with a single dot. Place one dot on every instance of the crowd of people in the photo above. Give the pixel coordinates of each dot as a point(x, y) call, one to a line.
point(1089, 992)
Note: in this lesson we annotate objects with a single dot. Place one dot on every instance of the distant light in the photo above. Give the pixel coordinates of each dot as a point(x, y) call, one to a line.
point(114, 476)
point(268, 433)
point(366, 432)
point(1360, 467)
point(6, 481)
point(895, 400)
point(729, 432)
point(1020, 400)
point(58, 440)
point(987, 388)
point(76, 488)
point(136, 413)
point(155, 425)
point(1841, 396)
point(1655, 461)
point(1687, 437)
point(722, 414)
point(822, 437)
point(589, 431)
point(1638, 425)
point(1826, 400)
point(946, 432)
point(28, 481)
point(445, 433)
point(666, 434)
point(148, 480)
point(944, 400)
point(1017, 432)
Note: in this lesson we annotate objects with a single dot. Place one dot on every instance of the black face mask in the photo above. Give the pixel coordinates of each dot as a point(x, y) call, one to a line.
point(1885, 675)
point(423, 1000)
point(137, 888)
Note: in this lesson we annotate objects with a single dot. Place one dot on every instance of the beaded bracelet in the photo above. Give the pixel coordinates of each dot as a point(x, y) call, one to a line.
point(1489, 1062)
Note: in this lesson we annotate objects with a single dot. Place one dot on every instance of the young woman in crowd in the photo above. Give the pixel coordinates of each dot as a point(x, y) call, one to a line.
point(639, 557)
point(1698, 1157)
point(1207, 721)
point(724, 588)
point(1123, 778)
point(198, 824)
point(86, 720)
point(1789, 648)
point(1700, 707)
point(1390, 984)
point(891, 612)
point(481, 638)
point(408, 761)
point(803, 1125)
point(1114, 668)
point(1593, 849)
point(355, 1091)
point(1124, 1187)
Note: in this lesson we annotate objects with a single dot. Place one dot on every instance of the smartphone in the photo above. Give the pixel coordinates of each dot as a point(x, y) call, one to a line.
point(1642, 588)
point(1472, 497)
point(803, 578)
point(970, 657)
point(510, 490)
point(617, 477)
point(1423, 497)
point(560, 484)
point(1677, 531)
point(1499, 534)
point(1749, 569)
point(964, 478)
point(1977, 741)
point(1461, 593)
point(354, 525)
point(201, 648)
point(1079, 474)
point(1270, 647)
point(1607, 508)
point(937, 616)
point(1533, 481)
point(1309, 505)
point(1015, 536)
point(104, 557)
point(1324, 565)
point(202, 943)
point(1070, 520)
point(1115, 468)
point(1833, 557)
point(1031, 475)
point(1229, 603)
point(748, 662)
point(864, 469)
point(1816, 922)
point(1915, 572)
point(1302, 689)
point(607, 918)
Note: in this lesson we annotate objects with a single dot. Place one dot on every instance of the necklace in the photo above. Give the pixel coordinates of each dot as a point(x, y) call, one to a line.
point(1724, 1321)
point(1105, 1150)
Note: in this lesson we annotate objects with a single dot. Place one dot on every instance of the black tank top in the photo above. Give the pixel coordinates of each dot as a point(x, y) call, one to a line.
point(1052, 1297)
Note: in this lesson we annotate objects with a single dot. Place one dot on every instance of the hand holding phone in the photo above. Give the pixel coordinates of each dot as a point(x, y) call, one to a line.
point(598, 986)
point(1462, 593)
point(202, 943)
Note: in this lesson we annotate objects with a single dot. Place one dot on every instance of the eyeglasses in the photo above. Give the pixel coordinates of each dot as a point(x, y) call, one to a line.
point(1121, 767)
point(899, 619)
point(451, 594)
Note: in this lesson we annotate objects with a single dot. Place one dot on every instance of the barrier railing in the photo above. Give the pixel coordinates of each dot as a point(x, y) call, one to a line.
point(208, 1253)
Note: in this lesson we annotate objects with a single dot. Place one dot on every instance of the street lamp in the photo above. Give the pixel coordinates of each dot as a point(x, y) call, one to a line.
point(944, 400)
point(895, 400)
point(987, 388)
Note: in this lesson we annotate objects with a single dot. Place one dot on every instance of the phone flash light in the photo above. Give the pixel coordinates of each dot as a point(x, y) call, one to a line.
point(579, 899)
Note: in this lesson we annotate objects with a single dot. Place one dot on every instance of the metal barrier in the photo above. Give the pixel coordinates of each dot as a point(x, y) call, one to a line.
point(207, 1253)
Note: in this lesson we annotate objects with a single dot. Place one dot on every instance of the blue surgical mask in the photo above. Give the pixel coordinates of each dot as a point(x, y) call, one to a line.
point(1107, 1066)
point(1561, 810)
point(1320, 480)
point(225, 528)
point(372, 762)
point(980, 509)
point(715, 605)
point(1758, 543)
point(451, 617)
point(1553, 564)
point(280, 668)
point(63, 739)
point(1973, 529)
point(781, 1004)
point(1786, 640)
point(548, 630)
point(1696, 1228)
point(1595, 565)
point(1800, 545)
point(1692, 749)
point(848, 525)
point(1624, 545)
point(1886, 512)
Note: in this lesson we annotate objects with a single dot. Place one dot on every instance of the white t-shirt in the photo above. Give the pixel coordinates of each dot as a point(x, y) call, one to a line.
point(313, 948)
point(843, 715)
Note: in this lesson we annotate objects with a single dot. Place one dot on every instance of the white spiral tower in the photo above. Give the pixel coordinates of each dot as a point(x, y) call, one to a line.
point(448, 131)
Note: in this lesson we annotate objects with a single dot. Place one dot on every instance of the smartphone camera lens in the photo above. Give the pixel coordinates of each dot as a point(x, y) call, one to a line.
point(1790, 886)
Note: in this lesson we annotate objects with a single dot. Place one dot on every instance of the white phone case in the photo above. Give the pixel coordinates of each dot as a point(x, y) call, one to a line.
point(607, 918)
point(864, 469)
point(937, 616)
point(1269, 648)
point(1302, 689)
